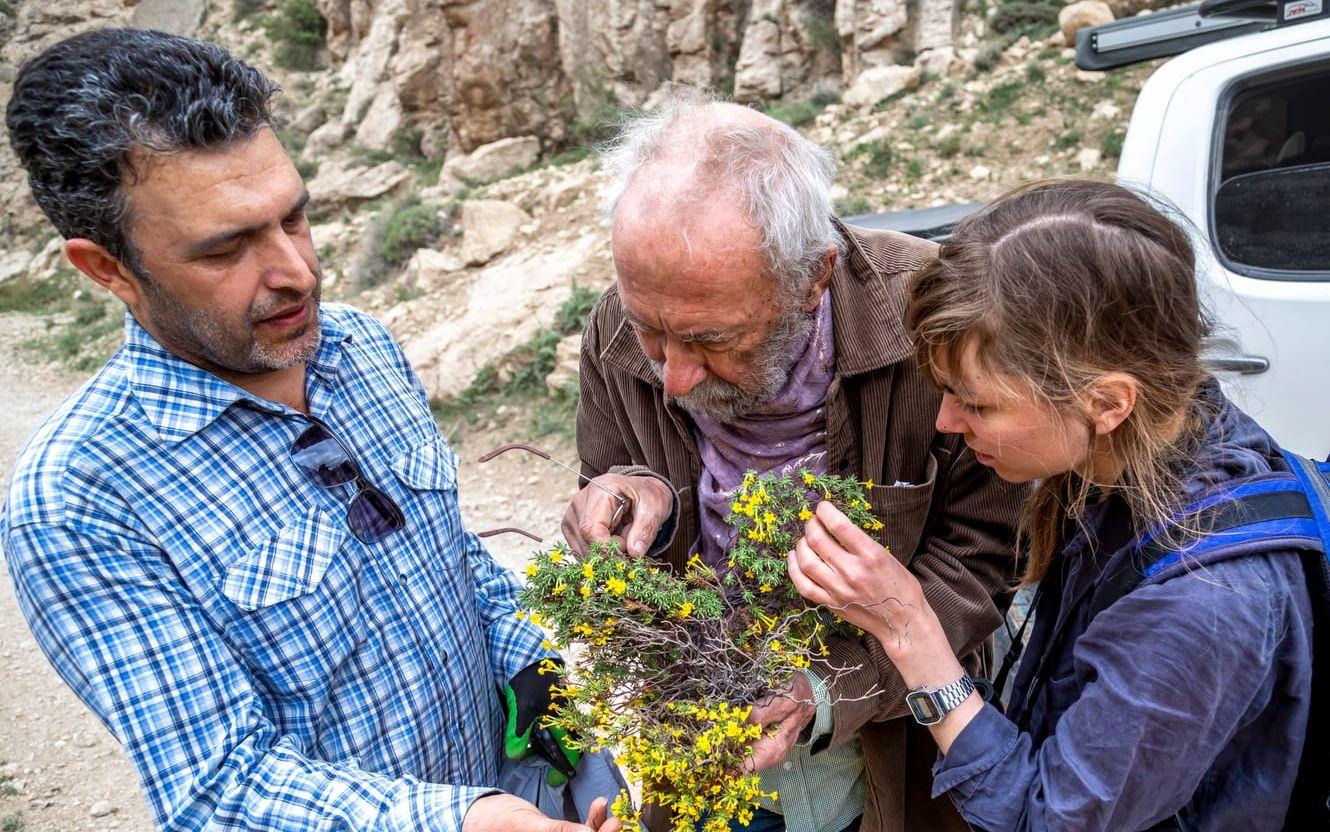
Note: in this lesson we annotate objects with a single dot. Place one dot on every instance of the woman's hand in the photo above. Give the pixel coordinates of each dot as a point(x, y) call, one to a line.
point(838, 565)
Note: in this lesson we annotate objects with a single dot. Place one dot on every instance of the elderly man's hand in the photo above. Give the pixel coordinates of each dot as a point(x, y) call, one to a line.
point(588, 517)
point(789, 710)
point(506, 813)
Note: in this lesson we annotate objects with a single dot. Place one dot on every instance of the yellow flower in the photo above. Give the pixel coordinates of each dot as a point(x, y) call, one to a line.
point(685, 609)
point(776, 645)
point(868, 484)
point(531, 570)
point(808, 477)
point(559, 589)
point(556, 556)
point(736, 507)
point(616, 585)
point(585, 591)
point(587, 571)
point(805, 514)
point(764, 588)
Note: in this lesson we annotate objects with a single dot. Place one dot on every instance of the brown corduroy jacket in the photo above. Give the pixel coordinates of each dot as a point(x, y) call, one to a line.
point(880, 427)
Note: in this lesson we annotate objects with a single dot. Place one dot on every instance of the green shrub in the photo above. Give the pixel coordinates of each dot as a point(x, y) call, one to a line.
point(1001, 98)
point(948, 147)
point(819, 24)
point(1034, 72)
point(1111, 143)
point(245, 8)
point(298, 30)
point(1034, 20)
point(410, 227)
point(878, 155)
point(989, 56)
point(1067, 140)
point(852, 205)
point(793, 113)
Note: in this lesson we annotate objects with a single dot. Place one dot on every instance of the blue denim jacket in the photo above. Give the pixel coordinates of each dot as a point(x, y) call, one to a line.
point(1190, 695)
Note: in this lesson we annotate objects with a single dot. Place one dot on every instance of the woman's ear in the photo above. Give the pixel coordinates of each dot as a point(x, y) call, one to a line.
point(1112, 399)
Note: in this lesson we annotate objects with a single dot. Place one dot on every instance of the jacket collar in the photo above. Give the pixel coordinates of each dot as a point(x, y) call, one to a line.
point(867, 307)
point(180, 399)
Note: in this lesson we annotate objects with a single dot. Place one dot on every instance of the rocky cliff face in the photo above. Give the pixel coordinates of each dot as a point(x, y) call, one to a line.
point(497, 68)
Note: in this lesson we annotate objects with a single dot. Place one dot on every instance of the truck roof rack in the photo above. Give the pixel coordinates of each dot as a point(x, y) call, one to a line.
point(1174, 31)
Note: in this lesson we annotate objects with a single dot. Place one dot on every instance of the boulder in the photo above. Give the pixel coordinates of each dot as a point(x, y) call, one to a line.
point(1080, 15)
point(13, 264)
point(335, 185)
point(567, 357)
point(49, 259)
point(382, 120)
point(499, 311)
point(489, 227)
point(1088, 158)
point(429, 268)
point(324, 139)
point(495, 160)
point(873, 85)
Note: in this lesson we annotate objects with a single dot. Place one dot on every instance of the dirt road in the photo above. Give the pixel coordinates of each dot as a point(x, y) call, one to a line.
point(60, 771)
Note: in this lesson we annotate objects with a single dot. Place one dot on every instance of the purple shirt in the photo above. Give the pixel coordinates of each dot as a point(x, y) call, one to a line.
point(788, 433)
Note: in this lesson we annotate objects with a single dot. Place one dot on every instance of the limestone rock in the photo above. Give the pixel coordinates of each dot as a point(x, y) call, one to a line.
point(489, 227)
point(337, 185)
point(13, 264)
point(872, 33)
point(382, 120)
point(1080, 15)
point(881, 82)
point(566, 359)
point(430, 268)
point(179, 17)
point(980, 172)
point(494, 160)
point(504, 306)
point(52, 256)
point(324, 139)
point(1088, 158)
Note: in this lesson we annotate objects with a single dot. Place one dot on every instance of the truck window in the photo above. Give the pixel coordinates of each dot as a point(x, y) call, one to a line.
point(1271, 209)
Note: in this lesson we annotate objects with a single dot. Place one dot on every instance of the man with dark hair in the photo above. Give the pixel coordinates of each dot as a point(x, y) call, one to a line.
point(239, 543)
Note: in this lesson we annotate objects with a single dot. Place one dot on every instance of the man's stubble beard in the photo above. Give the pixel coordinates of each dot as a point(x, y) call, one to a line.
point(199, 335)
point(723, 402)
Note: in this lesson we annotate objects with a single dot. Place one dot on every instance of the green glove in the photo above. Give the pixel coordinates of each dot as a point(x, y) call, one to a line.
point(527, 698)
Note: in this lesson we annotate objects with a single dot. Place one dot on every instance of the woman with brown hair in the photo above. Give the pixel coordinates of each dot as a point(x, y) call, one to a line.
point(1063, 325)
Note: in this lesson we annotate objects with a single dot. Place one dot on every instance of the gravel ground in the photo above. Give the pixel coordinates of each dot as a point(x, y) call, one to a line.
point(60, 770)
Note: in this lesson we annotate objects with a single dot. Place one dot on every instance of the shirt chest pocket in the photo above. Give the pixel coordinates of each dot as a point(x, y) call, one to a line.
point(903, 510)
point(428, 473)
point(298, 604)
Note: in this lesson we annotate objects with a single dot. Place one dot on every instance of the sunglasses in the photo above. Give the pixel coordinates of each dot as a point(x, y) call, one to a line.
point(372, 514)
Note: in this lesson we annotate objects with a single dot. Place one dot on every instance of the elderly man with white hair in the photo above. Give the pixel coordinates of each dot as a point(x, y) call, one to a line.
point(751, 329)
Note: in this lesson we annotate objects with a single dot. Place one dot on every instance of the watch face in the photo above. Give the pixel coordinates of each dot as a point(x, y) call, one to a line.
point(924, 707)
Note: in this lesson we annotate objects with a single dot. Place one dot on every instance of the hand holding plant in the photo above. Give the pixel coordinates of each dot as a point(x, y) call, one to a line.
point(671, 664)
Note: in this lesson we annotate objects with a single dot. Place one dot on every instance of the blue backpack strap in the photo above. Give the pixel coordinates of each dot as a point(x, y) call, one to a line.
point(1272, 510)
point(1282, 511)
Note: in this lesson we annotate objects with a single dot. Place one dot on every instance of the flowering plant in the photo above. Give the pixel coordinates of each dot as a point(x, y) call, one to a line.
point(671, 663)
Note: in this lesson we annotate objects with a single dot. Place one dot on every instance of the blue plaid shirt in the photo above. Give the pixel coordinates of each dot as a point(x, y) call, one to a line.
point(262, 667)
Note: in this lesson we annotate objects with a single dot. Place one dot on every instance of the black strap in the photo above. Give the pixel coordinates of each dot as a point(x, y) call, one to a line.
point(1221, 517)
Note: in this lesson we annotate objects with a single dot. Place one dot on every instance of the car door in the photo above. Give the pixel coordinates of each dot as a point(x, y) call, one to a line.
point(1242, 148)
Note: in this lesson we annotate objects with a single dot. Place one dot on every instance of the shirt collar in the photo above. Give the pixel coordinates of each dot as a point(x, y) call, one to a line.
point(180, 399)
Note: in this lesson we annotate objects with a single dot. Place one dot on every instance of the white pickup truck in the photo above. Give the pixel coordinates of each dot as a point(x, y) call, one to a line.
point(1236, 134)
